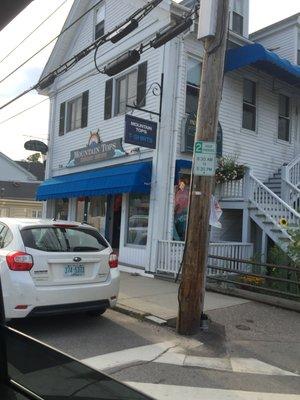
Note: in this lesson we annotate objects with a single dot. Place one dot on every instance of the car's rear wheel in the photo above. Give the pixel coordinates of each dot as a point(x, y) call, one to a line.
point(96, 313)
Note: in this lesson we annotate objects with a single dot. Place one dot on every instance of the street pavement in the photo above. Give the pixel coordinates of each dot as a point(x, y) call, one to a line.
point(251, 351)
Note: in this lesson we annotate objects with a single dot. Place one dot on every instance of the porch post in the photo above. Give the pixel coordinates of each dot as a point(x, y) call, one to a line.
point(246, 231)
point(264, 247)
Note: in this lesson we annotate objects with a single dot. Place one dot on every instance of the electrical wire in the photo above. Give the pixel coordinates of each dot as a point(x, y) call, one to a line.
point(51, 41)
point(49, 78)
point(32, 32)
point(21, 112)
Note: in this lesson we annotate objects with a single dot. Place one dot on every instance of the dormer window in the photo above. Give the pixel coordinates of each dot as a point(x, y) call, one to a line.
point(237, 23)
point(99, 23)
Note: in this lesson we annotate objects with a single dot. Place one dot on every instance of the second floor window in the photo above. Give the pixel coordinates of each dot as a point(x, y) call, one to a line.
point(249, 105)
point(99, 24)
point(126, 92)
point(74, 113)
point(237, 23)
point(128, 89)
point(192, 85)
point(284, 118)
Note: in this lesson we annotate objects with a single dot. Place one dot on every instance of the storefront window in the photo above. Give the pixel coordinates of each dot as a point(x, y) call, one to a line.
point(61, 209)
point(138, 219)
point(182, 191)
point(96, 212)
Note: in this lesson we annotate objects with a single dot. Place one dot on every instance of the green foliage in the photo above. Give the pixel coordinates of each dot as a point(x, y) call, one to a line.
point(229, 170)
point(34, 158)
point(294, 246)
point(277, 256)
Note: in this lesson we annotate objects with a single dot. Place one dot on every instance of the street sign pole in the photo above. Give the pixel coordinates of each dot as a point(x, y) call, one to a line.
point(192, 286)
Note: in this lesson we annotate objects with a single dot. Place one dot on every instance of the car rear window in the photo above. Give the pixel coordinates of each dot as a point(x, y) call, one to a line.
point(63, 239)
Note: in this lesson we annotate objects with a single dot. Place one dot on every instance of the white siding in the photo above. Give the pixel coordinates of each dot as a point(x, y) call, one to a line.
point(261, 151)
point(11, 172)
point(283, 41)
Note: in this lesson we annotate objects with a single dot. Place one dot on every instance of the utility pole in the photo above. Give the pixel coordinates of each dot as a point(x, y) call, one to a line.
point(192, 287)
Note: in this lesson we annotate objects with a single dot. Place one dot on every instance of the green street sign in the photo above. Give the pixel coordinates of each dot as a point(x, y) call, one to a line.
point(205, 158)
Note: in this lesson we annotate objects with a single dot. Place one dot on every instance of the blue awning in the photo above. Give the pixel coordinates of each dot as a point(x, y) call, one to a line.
point(256, 55)
point(125, 178)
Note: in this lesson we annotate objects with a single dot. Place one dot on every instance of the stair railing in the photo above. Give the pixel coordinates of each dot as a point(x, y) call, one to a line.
point(290, 183)
point(274, 208)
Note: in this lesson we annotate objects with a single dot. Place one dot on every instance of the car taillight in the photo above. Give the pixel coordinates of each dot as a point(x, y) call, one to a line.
point(19, 261)
point(113, 260)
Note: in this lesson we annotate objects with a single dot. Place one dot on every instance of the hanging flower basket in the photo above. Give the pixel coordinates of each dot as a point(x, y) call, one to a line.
point(229, 170)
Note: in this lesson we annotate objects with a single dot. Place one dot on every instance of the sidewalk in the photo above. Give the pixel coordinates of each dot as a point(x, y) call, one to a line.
point(143, 295)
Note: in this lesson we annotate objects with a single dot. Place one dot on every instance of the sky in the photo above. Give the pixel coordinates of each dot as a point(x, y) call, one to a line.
point(33, 124)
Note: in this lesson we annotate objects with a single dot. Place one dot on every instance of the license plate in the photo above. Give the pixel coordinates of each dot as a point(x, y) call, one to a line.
point(74, 270)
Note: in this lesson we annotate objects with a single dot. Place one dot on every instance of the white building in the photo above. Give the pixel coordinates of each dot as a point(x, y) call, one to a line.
point(129, 191)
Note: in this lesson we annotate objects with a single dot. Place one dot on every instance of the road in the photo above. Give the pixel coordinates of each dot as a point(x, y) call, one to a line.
point(246, 353)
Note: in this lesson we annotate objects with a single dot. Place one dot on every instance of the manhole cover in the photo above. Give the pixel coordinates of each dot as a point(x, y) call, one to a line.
point(243, 327)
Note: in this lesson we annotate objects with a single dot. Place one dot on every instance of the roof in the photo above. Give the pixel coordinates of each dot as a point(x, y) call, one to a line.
point(293, 19)
point(18, 190)
point(35, 168)
point(256, 55)
point(22, 222)
point(15, 164)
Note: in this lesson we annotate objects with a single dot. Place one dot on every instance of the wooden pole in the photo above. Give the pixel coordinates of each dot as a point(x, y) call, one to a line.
point(192, 287)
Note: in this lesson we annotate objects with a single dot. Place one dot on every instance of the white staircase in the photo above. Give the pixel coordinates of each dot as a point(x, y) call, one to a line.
point(277, 199)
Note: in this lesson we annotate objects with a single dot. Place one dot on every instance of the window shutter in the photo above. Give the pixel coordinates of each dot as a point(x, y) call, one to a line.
point(62, 113)
point(141, 84)
point(108, 99)
point(84, 109)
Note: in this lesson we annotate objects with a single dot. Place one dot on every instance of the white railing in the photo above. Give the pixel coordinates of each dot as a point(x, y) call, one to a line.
point(169, 255)
point(293, 172)
point(230, 190)
point(290, 187)
point(270, 204)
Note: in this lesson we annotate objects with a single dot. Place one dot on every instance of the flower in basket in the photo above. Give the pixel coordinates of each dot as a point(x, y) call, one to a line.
point(229, 170)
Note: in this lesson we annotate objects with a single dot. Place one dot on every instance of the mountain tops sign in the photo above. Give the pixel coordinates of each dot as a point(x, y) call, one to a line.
point(96, 151)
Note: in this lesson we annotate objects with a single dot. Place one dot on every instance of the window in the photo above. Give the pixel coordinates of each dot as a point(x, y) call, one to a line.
point(99, 25)
point(249, 105)
point(5, 236)
point(36, 214)
point(298, 57)
point(58, 239)
point(192, 85)
point(128, 89)
point(61, 209)
point(191, 103)
point(95, 209)
point(74, 113)
point(138, 219)
point(237, 23)
point(181, 203)
point(284, 118)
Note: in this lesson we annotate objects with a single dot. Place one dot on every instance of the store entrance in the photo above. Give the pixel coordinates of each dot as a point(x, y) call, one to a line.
point(114, 221)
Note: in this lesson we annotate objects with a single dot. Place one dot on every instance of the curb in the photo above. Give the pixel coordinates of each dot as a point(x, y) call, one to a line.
point(142, 316)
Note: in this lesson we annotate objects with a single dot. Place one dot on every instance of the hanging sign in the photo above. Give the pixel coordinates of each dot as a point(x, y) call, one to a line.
point(140, 132)
point(205, 158)
point(96, 151)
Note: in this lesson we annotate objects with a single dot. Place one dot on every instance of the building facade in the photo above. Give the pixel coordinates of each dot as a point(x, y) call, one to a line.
point(136, 195)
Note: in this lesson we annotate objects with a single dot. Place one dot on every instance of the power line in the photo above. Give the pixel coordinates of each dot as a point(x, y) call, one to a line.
point(117, 31)
point(21, 112)
point(51, 41)
point(32, 32)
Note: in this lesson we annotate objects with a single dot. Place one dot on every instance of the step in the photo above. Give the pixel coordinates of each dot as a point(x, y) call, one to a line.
point(276, 230)
point(268, 222)
point(284, 239)
point(260, 215)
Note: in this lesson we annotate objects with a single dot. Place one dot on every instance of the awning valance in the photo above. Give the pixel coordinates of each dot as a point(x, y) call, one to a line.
point(256, 55)
point(125, 178)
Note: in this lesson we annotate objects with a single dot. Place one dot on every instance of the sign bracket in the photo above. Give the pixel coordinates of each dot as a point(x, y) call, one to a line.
point(157, 90)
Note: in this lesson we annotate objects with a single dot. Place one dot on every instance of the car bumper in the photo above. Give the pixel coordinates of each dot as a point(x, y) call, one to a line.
point(46, 300)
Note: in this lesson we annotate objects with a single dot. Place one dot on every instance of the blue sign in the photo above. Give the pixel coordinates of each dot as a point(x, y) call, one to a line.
point(140, 132)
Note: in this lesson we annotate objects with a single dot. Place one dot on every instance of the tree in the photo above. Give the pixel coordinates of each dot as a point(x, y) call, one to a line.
point(34, 158)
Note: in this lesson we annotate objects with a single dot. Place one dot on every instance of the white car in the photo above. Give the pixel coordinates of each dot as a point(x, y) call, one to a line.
point(53, 267)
